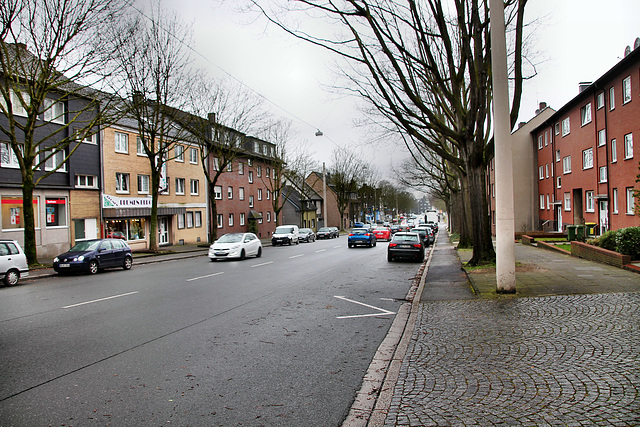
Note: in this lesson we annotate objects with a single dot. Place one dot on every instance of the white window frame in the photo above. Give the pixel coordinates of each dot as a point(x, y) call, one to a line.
point(17, 108)
point(612, 98)
point(558, 182)
point(558, 157)
point(251, 201)
point(631, 201)
point(179, 153)
point(8, 156)
point(216, 164)
point(217, 192)
point(82, 181)
point(546, 138)
point(268, 216)
point(566, 126)
point(603, 173)
point(602, 137)
point(556, 129)
point(614, 151)
point(589, 204)
point(240, 168)
point(140, 147)
point(548, 202)
point(614, 200)
point(121, 142)
point(259, 194)
point(143, 184)
point(566, 164)
point(193, 156)
point(541, 172)
point(230, 192)
point(180, 221)
point(628, 146)
point(600, 100)
point(250, 177)
point(189, 218)
point(242, 218)
point(195, 187)
point(220, 220)
point(122, 183)
point(180, 186)
point(54, 111)
point(197, 219)
point(231, 220)
point(585, 114)
point(258, 171)
point(546, 170)
point(567, 202)
point(626, 90)
point(540, 142)
point(542, 202)
point(587, 158)
point(57, 159)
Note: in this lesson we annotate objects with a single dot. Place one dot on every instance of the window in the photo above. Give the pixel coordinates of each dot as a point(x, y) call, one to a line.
point(628, 146)
point(17, 105)
point(180, 221)
point(140, 147)
point(217, 192)
point(259, 171)
point(240, 168)
point(600, 100)
point(86, 181)
point(566, 126)
point(558, 158)
point(122, 182)
point(55, 162)
point(587, 158)
point(180, 186)
point(250, 201)
point(548, 203)
point(602, 137)
point(603, 174)
point(546, 139)
point(179, 153)
point(250, 177)
point(9, 158)
point(614, 151)
point(193, 156)
point(566, 164)
point(269, 172)
point(197, 219)
point(241, 193)
point(250, 162)
point(241, 218)
point(122, 142)
point(626, 90)
point(546, 170)
point(559, 182)
point(195, 187)
point(54, 111)
point(614, 200)
point(556, 129)
point(612, 98)
point(269, 216)
point(216, 164)
point(56, 212)
point(12, 213)
point(540, 143)
point(143, 184)
point(229, 167)
point(260, 219)
point(259, 193)
point(542, 202)
point(230, 220)
point(567, 201)
point(219, 220)
point(590, 206)
point(189, 218)
point(585, 114)
point(631, 201)
point(268, 194)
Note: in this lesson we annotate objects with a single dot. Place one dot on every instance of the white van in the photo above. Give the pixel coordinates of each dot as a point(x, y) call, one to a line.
point(285, 234)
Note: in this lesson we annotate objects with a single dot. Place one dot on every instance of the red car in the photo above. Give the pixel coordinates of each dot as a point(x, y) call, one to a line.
point(382, 233)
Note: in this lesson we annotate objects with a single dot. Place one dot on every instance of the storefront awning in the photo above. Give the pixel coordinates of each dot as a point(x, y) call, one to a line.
point(140, 212)
point(254, 215)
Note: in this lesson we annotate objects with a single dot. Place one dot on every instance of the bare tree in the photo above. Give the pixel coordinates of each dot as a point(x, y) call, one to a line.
point(47, 52)
point(347, 173)
point(425, 67)
point(151, 54)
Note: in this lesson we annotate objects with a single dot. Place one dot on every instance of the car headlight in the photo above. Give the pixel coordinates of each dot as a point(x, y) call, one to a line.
point(56, 259)
point(81, 258)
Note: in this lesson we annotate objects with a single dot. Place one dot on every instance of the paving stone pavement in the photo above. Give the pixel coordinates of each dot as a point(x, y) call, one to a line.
point(559, 360)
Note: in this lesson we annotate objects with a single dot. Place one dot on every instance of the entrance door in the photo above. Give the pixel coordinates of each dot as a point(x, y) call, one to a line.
point(163, 230)
point(604, 216)
point(560, 219)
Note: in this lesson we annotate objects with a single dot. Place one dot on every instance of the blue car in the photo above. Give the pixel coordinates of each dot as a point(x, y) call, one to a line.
point(89, 256)
point(361, 236)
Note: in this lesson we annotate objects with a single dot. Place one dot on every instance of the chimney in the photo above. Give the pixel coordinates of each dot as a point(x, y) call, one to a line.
point(542, 106)
point(212, 117)
point(522, 124)
point(583, 85)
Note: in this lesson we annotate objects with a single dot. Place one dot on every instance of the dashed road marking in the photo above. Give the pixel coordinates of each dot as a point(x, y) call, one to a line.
point(204, 277)
point(99, 300)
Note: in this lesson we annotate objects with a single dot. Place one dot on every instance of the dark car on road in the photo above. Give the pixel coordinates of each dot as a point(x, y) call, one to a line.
point(325, 233)
point(361, 237)
point(306, 235)
point(426, 234)
point(335, 231)
point(405, 245)
point(89, 256)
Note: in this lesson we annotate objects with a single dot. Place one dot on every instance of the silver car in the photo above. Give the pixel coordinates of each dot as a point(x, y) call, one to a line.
point(13, 262)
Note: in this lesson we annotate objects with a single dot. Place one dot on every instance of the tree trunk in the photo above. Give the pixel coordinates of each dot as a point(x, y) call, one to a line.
point(483, 250)
point(213, 217)
point(153, 221)
point(29, 220)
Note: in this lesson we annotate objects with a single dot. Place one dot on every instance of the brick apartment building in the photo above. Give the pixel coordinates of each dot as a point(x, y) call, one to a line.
point(587, 164)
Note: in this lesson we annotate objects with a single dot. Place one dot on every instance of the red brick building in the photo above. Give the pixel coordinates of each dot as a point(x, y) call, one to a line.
point(586, 160)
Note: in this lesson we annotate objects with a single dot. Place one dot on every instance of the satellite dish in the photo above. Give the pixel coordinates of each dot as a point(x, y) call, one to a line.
point(636, 44)
point(627, 51)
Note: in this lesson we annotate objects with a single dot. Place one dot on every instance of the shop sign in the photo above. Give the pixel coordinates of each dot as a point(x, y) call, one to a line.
point(109, 201)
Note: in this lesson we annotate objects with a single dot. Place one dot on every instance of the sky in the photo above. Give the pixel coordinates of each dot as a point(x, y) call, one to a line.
point(573, 41)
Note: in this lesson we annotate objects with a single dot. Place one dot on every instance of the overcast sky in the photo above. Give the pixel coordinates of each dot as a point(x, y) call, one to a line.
point(576, 40)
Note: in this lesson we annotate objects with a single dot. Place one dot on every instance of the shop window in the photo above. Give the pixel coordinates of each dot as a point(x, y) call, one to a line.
point(56, 211)
point(129, 229)
point(13, 213)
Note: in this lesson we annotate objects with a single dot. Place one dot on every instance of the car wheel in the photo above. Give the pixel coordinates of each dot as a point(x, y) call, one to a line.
point(212, 259)
point(389, 257)
point(11, 277)
point(350, 245)
point(297, 242)
point(93, 267)
point(259, 254)
point(243, 255)
point(375, 242)
point(128, 262)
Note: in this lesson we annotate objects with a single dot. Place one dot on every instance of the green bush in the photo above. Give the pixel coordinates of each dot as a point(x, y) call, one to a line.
point(628, 241)
point(607, 240)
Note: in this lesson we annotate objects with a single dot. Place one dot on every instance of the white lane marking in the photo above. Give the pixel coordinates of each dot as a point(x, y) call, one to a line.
point(320, 250)
point(296, 256)
point(204, 277)
point(101, 299)
point(264, 263)
point(338, 246)
point(383, 312)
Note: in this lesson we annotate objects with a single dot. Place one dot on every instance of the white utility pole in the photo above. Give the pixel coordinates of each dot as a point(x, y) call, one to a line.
point(324, 196)
point(505, 228)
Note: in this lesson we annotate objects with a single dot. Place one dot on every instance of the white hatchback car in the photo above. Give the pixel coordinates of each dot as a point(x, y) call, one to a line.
point(235, 245)
point(13, 262)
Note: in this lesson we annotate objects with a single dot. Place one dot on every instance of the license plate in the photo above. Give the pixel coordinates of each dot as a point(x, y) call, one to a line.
point(405, 246)
point(221, 254)
point(64, 265)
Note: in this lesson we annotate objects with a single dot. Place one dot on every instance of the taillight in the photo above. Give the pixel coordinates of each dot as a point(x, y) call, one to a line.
point(416, 246)
point(391, 245)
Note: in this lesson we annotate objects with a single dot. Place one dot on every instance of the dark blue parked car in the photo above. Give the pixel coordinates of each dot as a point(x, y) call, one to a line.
point(361, 236)
point(92, 255)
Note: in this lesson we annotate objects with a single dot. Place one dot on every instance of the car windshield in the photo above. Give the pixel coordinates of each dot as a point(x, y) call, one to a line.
point(231, 238)
point(305, 230)
point(90, 245)
point(283, 230)
point(359, 231)
point(405, 238)
point(324, 229)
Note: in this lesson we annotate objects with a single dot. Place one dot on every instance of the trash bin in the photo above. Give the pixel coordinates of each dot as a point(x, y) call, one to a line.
point(591, 229)
point(580, 233)
point(571, 232)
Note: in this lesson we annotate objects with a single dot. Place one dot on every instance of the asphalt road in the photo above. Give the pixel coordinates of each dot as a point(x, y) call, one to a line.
point(264, 341)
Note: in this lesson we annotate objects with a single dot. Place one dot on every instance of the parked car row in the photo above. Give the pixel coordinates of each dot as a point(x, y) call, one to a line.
point(328, 233)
